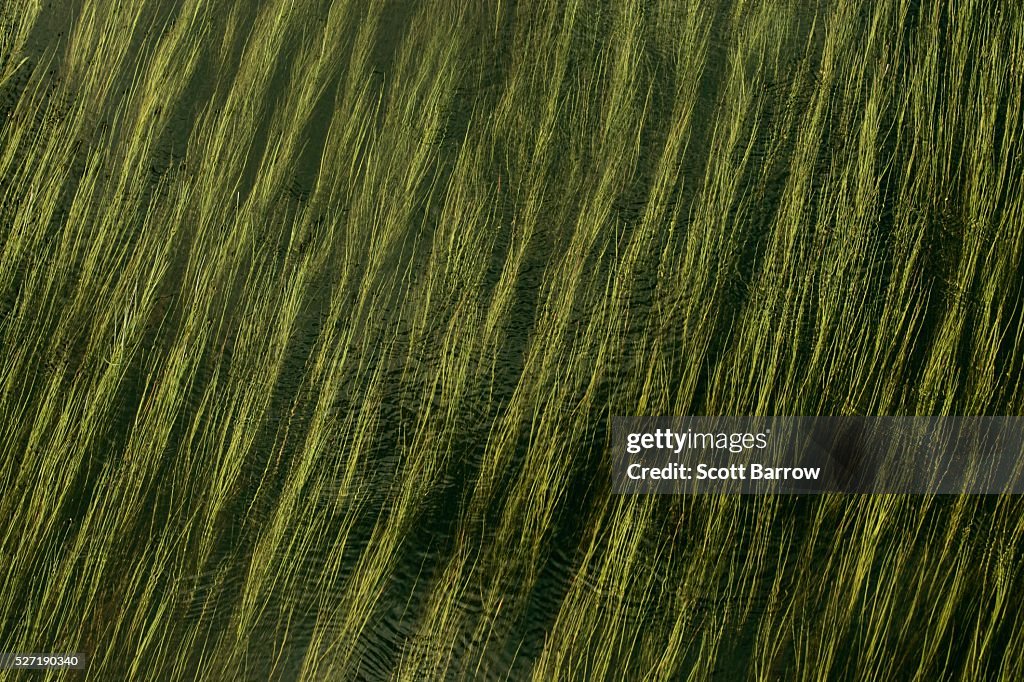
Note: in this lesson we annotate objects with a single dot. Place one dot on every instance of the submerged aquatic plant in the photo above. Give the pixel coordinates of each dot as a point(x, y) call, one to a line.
point(315, 314)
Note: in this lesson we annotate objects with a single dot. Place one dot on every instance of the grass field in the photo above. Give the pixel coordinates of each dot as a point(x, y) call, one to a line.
point(314, 315)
